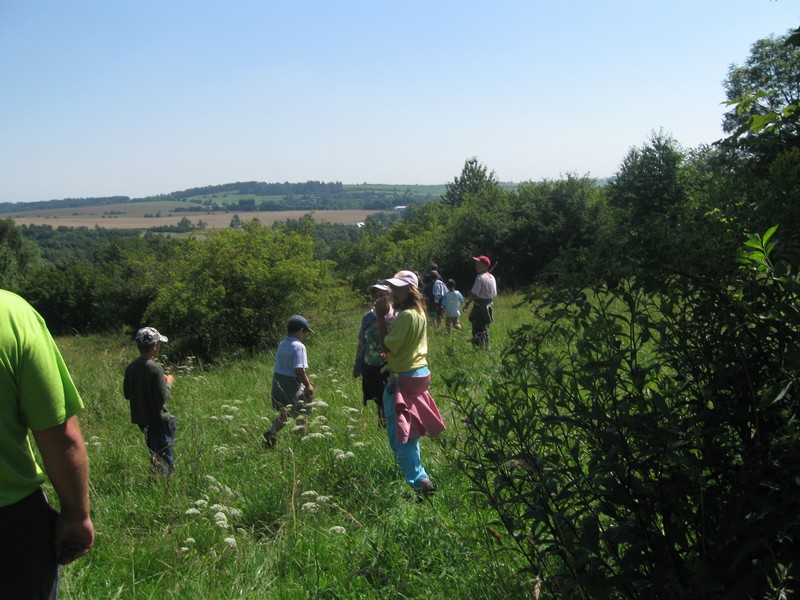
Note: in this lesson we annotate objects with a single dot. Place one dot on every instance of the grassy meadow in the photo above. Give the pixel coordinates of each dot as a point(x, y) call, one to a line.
point(322, 516)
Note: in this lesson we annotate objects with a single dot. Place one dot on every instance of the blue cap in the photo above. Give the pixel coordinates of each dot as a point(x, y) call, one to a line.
point(299, 322)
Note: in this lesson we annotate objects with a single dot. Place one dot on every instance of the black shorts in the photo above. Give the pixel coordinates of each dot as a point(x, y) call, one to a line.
point(28, 565)
point(373, 381)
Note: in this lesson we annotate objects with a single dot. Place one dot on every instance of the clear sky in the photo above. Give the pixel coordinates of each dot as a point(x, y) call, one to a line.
point(142, 97)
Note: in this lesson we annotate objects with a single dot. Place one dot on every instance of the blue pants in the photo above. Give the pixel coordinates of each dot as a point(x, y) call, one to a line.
point(161, 439)
point(407, 454)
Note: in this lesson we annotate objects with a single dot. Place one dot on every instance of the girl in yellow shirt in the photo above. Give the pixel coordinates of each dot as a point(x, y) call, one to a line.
point(409, 408)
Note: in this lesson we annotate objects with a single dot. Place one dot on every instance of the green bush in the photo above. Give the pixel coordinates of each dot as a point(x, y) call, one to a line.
point(641, 445)
point(236, 289)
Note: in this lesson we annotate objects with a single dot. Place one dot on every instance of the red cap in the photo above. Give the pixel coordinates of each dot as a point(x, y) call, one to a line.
point(483, 259)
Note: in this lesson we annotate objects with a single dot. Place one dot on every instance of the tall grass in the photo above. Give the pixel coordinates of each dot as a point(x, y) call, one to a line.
point(322, 515)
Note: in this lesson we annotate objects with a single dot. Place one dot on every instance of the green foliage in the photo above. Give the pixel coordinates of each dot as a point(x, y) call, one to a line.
point(642, 445)
point(17, 255)
point(73, 243)
point(474, 180)
point(766, 89)
point(236, 289)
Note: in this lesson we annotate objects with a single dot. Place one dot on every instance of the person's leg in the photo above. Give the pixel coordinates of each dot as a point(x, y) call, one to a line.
point(283, 393)
point(373, 384)
point(407, 455)
point(28, 565)
point(159, 442)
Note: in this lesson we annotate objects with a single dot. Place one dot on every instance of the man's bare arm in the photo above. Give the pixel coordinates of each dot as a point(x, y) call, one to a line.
point(67, 465)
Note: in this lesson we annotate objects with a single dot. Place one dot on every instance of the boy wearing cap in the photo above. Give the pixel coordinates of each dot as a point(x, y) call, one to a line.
point(483, 292)
point(147, 389)
point(291, 387)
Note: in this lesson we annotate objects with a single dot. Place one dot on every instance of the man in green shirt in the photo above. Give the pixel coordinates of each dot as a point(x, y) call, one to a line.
point(37, 394)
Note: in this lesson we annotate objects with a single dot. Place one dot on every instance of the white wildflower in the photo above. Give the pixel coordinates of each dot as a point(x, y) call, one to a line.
point(341, 392)
point(337, 529)
point(184, 549)
point(297, 428)
point(227, 417)
point(222, 524)
point(328, 434)
point(234, 513)
point(334, 381)
point(311, 507)
point(352, 409)
point(189, 541)
point(319, 419)
point(309, 493)
point(192, 511)
point(319, 403)
point(221, 516)
point(214, 418)
point(201, 503)
point(323, 499)
point(231, 542)
point(94, 438)
point(218, 507)
point(221, 449)
point(358, 445)
point(311, 436)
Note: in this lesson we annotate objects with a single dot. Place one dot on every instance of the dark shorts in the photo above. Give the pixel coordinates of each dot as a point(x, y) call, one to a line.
point(289, 395)
point(373, 381)
point(28, 565)
point(482, 314)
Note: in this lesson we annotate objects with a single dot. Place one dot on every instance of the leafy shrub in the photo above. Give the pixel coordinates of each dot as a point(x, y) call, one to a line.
point(644, 445)
point(236, 289)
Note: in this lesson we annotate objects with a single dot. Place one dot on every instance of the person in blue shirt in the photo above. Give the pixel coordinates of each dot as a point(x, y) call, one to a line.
point(291, 388)
point(453, 300)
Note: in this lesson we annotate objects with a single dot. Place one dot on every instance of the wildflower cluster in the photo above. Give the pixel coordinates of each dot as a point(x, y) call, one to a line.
point(221, 515)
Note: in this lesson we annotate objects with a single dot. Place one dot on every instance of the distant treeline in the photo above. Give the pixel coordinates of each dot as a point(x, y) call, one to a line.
point(257, 188)
point(312, 195)
point(10, 207)
point(258, 196)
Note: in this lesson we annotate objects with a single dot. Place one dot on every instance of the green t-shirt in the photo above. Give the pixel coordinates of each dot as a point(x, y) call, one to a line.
point(36, 392)
point(407, 342)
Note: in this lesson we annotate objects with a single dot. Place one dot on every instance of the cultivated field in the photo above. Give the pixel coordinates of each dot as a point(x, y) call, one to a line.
point(133, 216)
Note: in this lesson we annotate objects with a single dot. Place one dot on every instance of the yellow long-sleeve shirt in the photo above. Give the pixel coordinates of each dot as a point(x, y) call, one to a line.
point(407, 342)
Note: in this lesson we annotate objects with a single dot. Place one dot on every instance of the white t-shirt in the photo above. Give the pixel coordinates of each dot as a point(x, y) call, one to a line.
point(485, 287)
point(291, 355)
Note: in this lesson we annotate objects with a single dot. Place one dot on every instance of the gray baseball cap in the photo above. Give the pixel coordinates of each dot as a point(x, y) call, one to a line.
point(149, 335)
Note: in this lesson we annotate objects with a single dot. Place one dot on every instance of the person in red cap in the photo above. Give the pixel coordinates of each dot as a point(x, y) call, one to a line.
point(482, 295)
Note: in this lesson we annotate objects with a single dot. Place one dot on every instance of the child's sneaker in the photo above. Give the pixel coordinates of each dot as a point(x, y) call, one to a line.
point(425, 488)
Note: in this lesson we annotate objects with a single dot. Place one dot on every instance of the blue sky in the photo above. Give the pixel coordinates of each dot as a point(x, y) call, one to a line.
point(142, 97)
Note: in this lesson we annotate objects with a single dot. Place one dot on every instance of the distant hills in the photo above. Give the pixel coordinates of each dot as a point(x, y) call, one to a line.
point(260, 196)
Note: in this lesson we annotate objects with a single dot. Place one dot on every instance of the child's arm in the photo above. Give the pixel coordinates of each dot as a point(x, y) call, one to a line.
point(301, 376)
